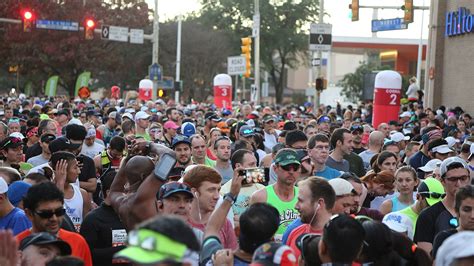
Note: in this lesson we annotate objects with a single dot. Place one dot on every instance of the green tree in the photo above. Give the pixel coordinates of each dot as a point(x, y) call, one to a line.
point(353, 83)
point(283, 35)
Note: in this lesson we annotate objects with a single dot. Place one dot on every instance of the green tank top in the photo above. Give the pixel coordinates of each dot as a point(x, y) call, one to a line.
point(286, 209)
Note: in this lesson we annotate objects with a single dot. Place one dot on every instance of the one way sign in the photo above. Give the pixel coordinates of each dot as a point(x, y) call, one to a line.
point(320, 37)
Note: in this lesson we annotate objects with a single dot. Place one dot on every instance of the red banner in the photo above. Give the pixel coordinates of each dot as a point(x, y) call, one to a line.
point(223, 96)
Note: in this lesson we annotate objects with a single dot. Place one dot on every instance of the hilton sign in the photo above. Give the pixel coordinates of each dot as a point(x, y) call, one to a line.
point(459, 22)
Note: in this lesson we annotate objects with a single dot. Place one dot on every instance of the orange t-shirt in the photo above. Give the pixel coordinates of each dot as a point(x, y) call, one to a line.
point(302, 229)
point(79, 246)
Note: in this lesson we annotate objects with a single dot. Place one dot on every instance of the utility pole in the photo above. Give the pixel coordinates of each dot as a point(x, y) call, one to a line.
point(156, 30)
point(256, 29)
point(178, 59)
point(320, 56)
point(420, 49)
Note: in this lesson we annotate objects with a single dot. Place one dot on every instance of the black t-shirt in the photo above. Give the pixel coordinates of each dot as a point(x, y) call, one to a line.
point(105, 234)
point(356, 164)
point(33, 151)
point(432, 221)
point(439, 239)
point(358, 150)
point(88, 170)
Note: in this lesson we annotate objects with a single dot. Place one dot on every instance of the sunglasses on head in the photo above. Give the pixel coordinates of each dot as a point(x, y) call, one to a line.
point(288, 167)
point(172, 186)
point(48, 214)
point(433, 195)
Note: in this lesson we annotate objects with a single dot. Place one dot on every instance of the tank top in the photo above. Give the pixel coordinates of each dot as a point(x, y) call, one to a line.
point(397, 205)
point(74, 207)
point(286, 209)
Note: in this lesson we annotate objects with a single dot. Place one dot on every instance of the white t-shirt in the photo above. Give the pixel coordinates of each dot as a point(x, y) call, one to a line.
point(92, 151)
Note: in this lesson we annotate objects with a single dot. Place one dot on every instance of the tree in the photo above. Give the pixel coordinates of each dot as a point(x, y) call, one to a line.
point(353, 83)
point(282, 35)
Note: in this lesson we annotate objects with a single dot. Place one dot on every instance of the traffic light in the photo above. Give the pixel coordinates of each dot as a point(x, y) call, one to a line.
point(246, 49)
point(408, 8)
point(161, 93)
point(28, 20)
point(355, 10)
point(89, 26)
point(319, 84)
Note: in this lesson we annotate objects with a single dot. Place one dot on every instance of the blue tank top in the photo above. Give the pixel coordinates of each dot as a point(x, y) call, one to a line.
point(397, 205)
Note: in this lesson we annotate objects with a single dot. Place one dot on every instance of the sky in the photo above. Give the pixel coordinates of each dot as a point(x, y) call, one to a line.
point(338, 14)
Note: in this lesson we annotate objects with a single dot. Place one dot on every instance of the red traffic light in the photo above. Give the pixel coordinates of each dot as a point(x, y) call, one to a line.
point(28, 15)
point(90, 23)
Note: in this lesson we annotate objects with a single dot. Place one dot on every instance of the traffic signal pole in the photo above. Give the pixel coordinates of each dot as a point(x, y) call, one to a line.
point(156, 29)
point(178, 58)
point(257, 50)
point(317, 96)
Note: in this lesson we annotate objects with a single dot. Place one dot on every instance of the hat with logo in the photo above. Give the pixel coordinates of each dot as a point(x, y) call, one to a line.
point(62, 143)
point(432, 190)
point(447, 163)
point(399, 222)
point(286, 157)
point(16, 191)
point(324, 119)
point(273, 254)
point(341, 186)
point(430, 165)
point(188, 129)
point(141, 115)
point(170, 125)
point(3, 186)
point(178, 139)
point(45, 238)
point(268, 117)
point(398, 136)
point(246, 131)
point(11, 143)
point(170, 188)
point(212, 116)
point(91, 133)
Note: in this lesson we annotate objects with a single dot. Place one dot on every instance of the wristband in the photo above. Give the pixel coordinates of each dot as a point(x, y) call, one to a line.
point(231, 198)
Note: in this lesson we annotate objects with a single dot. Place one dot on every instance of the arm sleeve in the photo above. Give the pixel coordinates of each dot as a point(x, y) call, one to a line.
point(209, 247)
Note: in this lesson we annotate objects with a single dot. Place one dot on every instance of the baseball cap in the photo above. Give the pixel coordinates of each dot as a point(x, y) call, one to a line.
point(398, 136)
point(145, 246)
point(90, 132)
point(226, 112)
point(246, 131)
point(355, 128)
point(405, 114)
point(45, 238)
point(62, 143)
point(286, 157)
point(127, 115)
point(324, 119)
point(268, 118)
point(441, 149)
point(17, 135)
point(180, 139)
point(16, 191)
point(212, 116)
point(430, 165)
point(223, 127)
point(11, 143)
point(170, 125)
point(62, 112)
point(432, 190)
point(451, 141)
point(3, 186)
point(456, 247)
point(141, 115)
point(273, 254)
point(341, 186)
point(170, 188)
point(188, 129)
point(399, 222)
point(449, 162)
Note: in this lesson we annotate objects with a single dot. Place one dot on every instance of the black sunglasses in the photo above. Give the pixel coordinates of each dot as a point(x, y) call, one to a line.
point(288, 167)
point(433, 195)
point(48, 214)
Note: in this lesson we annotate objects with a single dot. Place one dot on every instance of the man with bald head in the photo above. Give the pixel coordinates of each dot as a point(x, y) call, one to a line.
point(376, 139)
point(385, 129)
point(137, 203)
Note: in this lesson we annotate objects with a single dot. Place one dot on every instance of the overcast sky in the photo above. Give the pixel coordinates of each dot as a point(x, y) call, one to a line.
point(342, 24)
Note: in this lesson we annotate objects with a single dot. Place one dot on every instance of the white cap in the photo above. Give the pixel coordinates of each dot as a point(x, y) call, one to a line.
point(17, 135)
point(430, 166)
point(457, 246)
point(471, 150)
point(250, 122)
point(3, 186)
point(75, 121)
point(405, 114)
point(341, 186)
point(91, 132)
point(399, 222)
point(144, 108)
point(128, 115)
point(141, 115)
point(442, 149)
point(451, 141)
point(398, 136)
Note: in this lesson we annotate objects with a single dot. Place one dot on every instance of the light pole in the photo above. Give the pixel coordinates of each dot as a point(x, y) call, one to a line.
point(178, 59)
point(420, 49)
point(156, 30)
point(256, 28)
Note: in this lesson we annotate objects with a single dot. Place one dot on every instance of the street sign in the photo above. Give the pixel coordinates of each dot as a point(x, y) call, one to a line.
point(57, 25)
point(316, 62)
point(136, 36)
point(236, 65)
point(388, 24)
point(155, 72)
point(320, 37)
point(256, 26)
point(166, 83)
point(253, 93)
point(114, 33)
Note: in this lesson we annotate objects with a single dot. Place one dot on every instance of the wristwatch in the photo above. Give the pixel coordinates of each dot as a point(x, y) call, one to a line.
point(231, 198)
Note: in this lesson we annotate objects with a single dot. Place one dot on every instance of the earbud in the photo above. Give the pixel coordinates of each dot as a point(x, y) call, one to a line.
point(196, 194)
